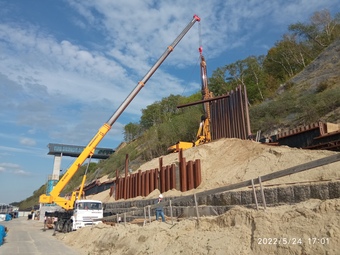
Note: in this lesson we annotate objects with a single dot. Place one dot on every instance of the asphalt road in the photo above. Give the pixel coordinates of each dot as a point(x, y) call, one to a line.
point(26, 237)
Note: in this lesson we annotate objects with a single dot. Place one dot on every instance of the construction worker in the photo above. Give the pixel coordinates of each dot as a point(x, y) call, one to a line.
point(159, 209)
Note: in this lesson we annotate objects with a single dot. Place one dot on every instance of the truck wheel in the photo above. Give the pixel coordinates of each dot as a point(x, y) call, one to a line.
point(69, 226)
point(65, 227)
point(59, 225)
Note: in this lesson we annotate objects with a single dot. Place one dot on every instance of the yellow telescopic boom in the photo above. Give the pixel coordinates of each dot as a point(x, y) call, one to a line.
point(89, 149)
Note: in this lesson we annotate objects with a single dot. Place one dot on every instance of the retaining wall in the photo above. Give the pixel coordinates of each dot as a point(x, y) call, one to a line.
point(222, 202)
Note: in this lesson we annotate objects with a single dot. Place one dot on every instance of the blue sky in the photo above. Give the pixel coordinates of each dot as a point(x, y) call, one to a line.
point(67, 65)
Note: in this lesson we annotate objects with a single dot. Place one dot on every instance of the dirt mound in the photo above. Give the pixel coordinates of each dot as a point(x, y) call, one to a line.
point(311, 227)
point(228, 161)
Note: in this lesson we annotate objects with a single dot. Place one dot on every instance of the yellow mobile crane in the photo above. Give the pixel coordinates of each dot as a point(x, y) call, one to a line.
point(203, 134)
point(65, 218)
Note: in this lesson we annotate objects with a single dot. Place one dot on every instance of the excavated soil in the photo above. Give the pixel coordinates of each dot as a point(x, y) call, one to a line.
point(311, 227)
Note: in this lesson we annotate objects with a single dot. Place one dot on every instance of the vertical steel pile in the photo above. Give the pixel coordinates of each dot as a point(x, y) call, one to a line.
point(163, 178)
point(230, 115)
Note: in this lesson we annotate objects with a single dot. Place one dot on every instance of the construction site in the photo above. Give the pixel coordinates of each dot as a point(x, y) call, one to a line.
point(228, 192)
point(225, 213)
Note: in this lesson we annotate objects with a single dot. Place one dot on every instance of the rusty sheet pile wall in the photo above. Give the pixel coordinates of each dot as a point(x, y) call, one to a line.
point(230, 115)
point(185, 177)
point(222, 198)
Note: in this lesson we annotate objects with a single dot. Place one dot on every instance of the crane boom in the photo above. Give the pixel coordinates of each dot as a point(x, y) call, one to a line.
point(89, 149)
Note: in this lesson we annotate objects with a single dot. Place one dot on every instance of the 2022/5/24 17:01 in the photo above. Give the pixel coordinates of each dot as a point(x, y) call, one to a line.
point(292, 241)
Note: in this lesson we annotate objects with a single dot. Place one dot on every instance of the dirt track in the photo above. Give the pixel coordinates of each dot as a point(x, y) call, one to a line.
point(26, 237)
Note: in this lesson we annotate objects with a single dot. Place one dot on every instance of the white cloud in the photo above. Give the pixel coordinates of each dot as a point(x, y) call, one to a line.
point(13, 149)
point(134, 27)
point(28, 141)
point(13, 169)
point(134, 41)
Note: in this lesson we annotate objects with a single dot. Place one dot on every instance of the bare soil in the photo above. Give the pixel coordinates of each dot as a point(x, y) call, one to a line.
point(311, 227)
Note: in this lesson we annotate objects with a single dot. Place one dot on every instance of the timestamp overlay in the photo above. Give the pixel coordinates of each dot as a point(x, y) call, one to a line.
point(293, 241)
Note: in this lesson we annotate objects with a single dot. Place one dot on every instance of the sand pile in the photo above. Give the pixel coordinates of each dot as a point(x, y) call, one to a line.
point(280, 230)
point(289, 229)
point(228, 161)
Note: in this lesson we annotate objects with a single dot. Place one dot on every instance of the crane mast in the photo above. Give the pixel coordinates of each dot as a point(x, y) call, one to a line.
point(203, 134)
point(67, 204)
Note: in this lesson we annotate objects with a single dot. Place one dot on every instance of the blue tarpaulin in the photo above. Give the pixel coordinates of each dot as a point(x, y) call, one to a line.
point(8, 217)
point(2, 234)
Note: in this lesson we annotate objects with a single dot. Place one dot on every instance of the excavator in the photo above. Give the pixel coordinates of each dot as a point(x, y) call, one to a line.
point(203, 134)
point(74, 205)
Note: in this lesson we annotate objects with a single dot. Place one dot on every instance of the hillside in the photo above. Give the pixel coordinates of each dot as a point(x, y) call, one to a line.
point(323, 73)
point(325, 68)
point(310, 96)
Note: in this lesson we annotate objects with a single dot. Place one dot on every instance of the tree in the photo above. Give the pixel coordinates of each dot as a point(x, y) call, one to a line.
point(255, 77)
point(151, 116)
point(160, 112)
point(248, 72)
point(321, 31)
point(169, 106)
point(217, 82)
point(131, 131)
point(286, 58)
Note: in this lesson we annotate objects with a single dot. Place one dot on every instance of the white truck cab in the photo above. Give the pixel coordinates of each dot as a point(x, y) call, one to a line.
point(86, 212)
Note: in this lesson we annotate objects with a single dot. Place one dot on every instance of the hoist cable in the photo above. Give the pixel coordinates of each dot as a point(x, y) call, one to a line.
point(199, 35)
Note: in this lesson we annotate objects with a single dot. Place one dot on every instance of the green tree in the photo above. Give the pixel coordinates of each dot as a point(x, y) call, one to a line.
point(287, 58)
point(131, 131)
point(160, 111)
point(255, 78)
point(151, 116)
point(248, 72)
point(217, 82)
point(169, 106)
point(321, 31)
